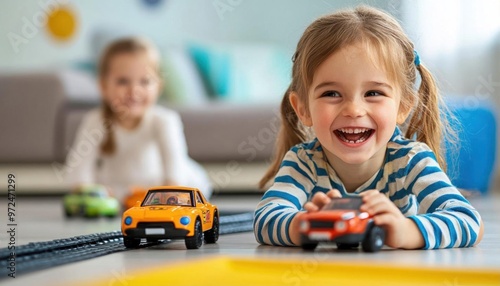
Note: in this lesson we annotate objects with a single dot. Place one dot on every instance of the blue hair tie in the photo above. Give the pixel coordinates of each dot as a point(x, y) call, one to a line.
point(417, 58)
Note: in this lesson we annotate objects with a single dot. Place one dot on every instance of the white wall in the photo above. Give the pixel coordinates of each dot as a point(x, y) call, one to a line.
point(279, 22)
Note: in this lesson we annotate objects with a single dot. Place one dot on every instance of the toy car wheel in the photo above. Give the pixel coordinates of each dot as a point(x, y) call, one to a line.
point(310, 246)
point(88, 215)
point(307, 244)
point(374, 239)
point(212, 235)
point(345, 246)
point(67, 212)
point(81, 210)
point(195, 241)
point(130, 242)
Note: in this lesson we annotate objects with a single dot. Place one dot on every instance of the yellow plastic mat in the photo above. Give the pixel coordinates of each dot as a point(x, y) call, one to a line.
point(249, 271)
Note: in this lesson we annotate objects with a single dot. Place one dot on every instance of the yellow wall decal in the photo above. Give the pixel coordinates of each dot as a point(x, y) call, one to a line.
point(62, 23)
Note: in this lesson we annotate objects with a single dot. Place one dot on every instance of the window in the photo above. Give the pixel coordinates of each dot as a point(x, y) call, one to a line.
point(198, 199)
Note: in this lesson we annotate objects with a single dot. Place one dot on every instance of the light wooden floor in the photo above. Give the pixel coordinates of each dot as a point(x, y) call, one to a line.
point(42, 220)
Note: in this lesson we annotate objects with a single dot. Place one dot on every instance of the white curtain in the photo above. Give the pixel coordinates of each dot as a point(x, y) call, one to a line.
point(459, 40)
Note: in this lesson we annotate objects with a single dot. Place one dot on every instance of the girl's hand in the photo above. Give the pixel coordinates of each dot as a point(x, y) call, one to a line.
point(319, 200)
point(401, 232)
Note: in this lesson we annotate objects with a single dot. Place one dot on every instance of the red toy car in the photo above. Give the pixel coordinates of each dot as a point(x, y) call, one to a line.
point(341, 222)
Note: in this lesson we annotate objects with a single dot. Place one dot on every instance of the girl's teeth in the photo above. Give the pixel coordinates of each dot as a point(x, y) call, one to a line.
point(357, 141)
point(356, 131)
point(353, 131)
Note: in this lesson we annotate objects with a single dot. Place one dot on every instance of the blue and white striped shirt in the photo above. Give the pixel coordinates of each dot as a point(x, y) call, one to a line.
point(410, 177)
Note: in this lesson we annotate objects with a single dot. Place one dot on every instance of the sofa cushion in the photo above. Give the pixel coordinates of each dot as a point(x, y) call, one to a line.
point(30, 105)
point(472, 163)
point(215, 132)
point(219, 132)
point(182, 81)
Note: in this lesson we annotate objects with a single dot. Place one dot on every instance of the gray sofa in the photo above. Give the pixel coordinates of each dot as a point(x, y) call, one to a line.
point(40, 113)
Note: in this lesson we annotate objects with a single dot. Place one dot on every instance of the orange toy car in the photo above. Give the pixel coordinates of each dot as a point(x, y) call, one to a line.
point(341, 222)
point(171, 213)
point(136, 194)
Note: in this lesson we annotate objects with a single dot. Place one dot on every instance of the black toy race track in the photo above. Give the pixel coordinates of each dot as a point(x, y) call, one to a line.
point(41, 255)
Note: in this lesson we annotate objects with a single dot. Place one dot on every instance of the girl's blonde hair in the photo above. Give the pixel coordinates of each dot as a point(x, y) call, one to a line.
point(122, 46)
point(384, 38)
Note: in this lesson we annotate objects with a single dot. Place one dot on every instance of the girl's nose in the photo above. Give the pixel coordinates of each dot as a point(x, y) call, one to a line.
point(353, 108)
point(134, 91)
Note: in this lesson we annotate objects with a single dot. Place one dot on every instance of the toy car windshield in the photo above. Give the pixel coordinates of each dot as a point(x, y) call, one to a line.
point(169, 198)
point(96, 194)
point(344, 204)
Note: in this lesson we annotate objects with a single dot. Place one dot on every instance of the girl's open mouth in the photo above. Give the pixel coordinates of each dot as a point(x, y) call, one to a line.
point(354, 135)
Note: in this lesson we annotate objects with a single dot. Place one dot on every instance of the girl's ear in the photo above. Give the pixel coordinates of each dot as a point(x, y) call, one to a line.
point(300, 109)
point(403, 112)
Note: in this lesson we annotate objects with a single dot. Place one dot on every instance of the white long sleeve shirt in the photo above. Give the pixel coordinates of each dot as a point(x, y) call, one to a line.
point(150, 155)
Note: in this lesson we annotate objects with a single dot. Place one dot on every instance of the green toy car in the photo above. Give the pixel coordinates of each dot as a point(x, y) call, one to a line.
point(90, 201)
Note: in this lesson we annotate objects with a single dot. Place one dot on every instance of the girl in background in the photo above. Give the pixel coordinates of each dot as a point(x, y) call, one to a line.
point(134, 142)
point(352, 85)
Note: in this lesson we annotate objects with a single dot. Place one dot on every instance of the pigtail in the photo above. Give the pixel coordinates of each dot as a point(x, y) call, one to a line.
point(426, 123)
point(108, 145)
point(290, 134)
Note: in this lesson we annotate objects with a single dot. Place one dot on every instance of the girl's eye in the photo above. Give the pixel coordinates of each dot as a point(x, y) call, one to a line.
point(374, 93)
point(145, 81)
point(330, 93)
point(122, 81)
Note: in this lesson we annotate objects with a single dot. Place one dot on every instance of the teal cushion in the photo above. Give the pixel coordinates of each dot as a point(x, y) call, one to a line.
point(243, 73)
point(214, 67)
point(182, 81)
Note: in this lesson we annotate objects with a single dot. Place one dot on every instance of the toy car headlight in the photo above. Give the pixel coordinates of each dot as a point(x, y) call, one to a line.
point(340, 226)
point(363, 215)
point(185, 220)
point(304, 225)
point(348, 216)
point(128, 220)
